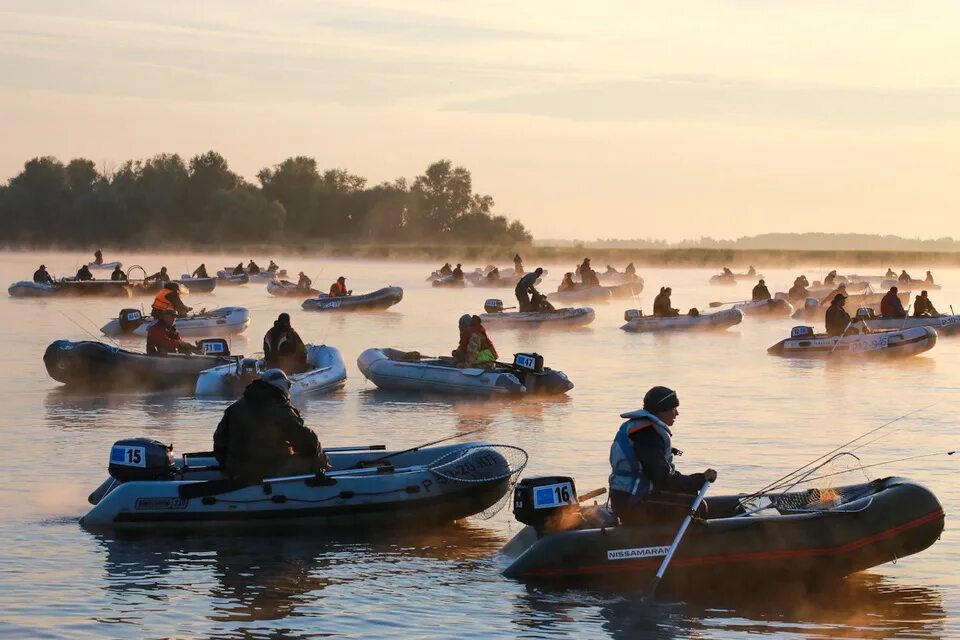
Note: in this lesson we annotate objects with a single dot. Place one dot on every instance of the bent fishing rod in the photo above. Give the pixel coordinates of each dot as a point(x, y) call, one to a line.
point(880, 464)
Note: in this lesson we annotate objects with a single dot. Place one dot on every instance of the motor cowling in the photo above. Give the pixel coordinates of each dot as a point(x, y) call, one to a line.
point(141, 459)
point(214, 347)
point(632, 314)
point(130, 319)
point(493, 305)
point(802, 332)
point(528, 362)
point(547, 503)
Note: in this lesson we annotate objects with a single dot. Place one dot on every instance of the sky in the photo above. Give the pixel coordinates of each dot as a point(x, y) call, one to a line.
point(633, 119)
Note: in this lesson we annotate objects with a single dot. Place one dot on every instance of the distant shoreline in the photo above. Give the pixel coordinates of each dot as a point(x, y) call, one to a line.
point(736, 259)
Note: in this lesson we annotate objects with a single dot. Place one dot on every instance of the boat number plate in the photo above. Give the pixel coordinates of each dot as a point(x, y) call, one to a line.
point(524, 361)
point(330, 305)
point(553, 495)
point(133, 315)
point(946, 321)
point(872, 344)
point(128, 456)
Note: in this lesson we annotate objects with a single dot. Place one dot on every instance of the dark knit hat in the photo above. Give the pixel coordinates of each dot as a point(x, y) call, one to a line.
point(660, 399)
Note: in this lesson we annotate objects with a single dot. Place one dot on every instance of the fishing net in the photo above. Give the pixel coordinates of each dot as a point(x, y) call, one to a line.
point(483, 463)
point(820, 488)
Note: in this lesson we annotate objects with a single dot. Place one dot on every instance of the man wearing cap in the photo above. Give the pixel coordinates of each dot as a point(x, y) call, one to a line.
point(117, 275)
point(163, 337)
point(661, 304)
point(339, 288)
point(760, 292)
point(40, 276)
point(644, 484)
point(168, 299)
point(283, 348)
point(890, 305)
point(262, 435)
point(837, 318)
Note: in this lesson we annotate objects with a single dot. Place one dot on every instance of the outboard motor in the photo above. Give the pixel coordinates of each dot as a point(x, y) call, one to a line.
point(130, 319)
point(632, 314)
point(493, 306)
point(780, 295)
point(141, 459)
point(802, 332)
point(528, 362)
point(547, 503)
point(811, 303)
point(866, 313)
point(214, 347)
point(248, 366)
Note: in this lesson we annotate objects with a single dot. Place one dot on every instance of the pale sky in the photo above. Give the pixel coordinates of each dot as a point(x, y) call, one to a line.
point(589, 119)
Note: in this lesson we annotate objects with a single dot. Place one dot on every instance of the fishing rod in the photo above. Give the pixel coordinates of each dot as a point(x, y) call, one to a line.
point(115, 343)
point(82, 328)
point(878, 464)
point(377, 461)
point(800, 470)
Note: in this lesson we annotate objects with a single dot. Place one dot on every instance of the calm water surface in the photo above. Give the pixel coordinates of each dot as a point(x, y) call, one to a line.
point(751, 416)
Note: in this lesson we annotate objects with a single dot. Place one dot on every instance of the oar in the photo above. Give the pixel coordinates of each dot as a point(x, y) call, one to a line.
point(714, 305)
point(372, 447)
point(676, 541)
point(371, 463)
point(840, 339)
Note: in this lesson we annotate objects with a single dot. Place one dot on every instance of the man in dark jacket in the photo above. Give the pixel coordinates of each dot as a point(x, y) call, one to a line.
point(890, 305)
point(159, 276)
point(760, 292)
point(525, 288)
point(283, 348)
point(84, 274)
point(837, 318)
point(661, 304)
point(40, 276)
point(923, 307)
point(117, 275)
point(200, 272)
point(262, 435)
point(644, 484)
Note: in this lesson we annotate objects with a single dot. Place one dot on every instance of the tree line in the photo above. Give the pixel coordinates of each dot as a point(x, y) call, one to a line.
point(164, 200)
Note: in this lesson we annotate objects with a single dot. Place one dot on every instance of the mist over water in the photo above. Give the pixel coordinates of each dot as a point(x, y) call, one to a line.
point(751, 416)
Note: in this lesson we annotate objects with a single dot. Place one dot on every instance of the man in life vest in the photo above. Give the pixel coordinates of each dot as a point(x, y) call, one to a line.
point(904, 277)
point(283, 348)
point(40, 276)
point(304, 282)
point(117, 275)
point(98, 257)
point(525, 288)
point(760, 292)
point(159, 276)
point(200, 272)
point(517, 265)
point(83, 274)
point(923, 307)
point(262, 435)
point(661, 304)
point(890, 305)
point(163, 337)
point(644, 484)
point(339, 288)
point(168, 299)
point(837, 319)
point(253, 268)
point(475, 348)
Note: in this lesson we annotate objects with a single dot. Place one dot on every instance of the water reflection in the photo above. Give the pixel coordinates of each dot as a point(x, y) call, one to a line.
point(76, 409)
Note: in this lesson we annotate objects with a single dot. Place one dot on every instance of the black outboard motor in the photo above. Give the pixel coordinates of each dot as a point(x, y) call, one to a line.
point(802, 332)
point(547, 503)
point(866, 313)
point(532, 362)
point(141, 459)
point(493, 305)
point(130, 319)
point(214, 347)
point(632, 314)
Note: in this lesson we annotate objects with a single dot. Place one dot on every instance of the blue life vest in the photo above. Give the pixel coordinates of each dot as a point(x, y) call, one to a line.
point(626, 471)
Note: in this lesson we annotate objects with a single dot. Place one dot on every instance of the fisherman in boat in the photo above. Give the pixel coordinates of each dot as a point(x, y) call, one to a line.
point(751, 271)
point(840, 290)
point(493, 275)
point(760, 292)
point(253, 268)
point(117, 275)
point(929, 278)
point(517, 265)
point(168, 299)
point(262, 435)
point(83, 274)
point(273, 267)
point(923, 307)
point(200, 272)
point(661, 304)
point(163, 337)
point(160, 276)
point(588, 277)
point(238, 270)
point(830, 278)
point(98, 257)
point(525, 288)
point(339, 288)
point(446, 269)
point(283, 348)
point(644, 484)
point(630, 272)
point(304, 282)
point(457, 273)
point(539, 302)
point(890, 273)
point(904, 277)
point(567, 284)
point(799, 289)
point(475, 348)
point(40, 276)
point(837, 319)
point(890, 305)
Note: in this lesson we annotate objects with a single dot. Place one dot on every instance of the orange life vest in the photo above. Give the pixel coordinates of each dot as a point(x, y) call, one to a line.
point(338, 290)
point(161, 303)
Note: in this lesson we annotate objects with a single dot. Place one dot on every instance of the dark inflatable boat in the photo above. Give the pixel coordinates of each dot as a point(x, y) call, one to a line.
point(807, 537)
point(377, 300)
point(98, 365)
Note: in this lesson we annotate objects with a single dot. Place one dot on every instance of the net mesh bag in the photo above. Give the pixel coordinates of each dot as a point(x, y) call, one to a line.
point(483, 463)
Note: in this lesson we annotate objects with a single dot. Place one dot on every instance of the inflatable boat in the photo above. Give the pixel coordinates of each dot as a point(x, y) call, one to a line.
point(804, 343)
point(226, 278)
point(496, 316)
point(815, 309)
point(916, 285)
point(617, 277)
point(326, 373)
point(409, 371)
point(449, 282)
point(584, 294)
point(30, 289)
point(222, 321)
point(285, 288)
point(368, 487)
point(807, 537)
point(639, 323)
point(626, 290)
point(766, 308)
point(374, 301)
point(945, 325)
point(729, 279)
point(197, 285)
point(106, 266)
point(99, 366)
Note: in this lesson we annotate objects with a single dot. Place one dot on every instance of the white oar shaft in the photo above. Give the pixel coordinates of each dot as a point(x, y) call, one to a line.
point(677, 538)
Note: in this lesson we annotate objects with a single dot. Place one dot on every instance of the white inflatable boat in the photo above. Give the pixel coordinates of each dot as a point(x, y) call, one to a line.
point(804, 343)
point(327, 373)
point(581, 294)
point(774, 307)
point(639, 323)
point(223, 321)
point(30, 289)
point(497, 316)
